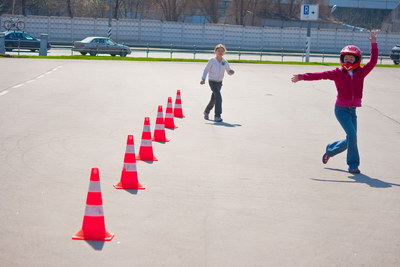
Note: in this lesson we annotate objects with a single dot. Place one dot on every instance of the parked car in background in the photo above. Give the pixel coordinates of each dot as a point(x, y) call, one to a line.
point(22, 40)
point(100, 45)
point(395, 54)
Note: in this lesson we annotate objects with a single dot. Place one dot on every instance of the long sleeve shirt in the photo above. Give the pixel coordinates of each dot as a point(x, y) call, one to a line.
point(349, 87)
point(215, 70)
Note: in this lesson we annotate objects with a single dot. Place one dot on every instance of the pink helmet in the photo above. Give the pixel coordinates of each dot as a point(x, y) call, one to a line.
point(354, 51)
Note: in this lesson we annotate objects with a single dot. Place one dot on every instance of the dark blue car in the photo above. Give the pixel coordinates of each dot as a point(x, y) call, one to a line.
point(22, 40)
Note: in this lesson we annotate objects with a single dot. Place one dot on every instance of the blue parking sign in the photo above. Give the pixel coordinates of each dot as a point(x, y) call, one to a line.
point(306, 10)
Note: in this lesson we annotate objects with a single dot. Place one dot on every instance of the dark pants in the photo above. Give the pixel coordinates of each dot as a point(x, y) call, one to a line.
point(216, 98)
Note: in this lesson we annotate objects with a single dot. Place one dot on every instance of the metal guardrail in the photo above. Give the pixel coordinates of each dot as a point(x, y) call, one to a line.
point(171, 50)
point(281, 53)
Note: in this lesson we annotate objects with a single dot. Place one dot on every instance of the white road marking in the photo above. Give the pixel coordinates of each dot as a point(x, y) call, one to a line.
point(31, 80)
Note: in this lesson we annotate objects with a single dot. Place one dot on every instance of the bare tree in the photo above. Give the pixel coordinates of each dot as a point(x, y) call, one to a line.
point(210, 8)
point(245, 10)
point(69, 8)
point(172, 9)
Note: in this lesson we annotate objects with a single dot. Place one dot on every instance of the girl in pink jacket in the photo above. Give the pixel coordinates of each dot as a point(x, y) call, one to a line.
point(349, 81)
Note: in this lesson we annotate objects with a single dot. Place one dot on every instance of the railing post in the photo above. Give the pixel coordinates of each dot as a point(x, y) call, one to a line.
point(147, 52)
point(239, 52)
point(261, 51)
point(2, 43)
point(281, 54)
point(171, 50)
point(43, 44)
point(323, 55)
point(194, 51)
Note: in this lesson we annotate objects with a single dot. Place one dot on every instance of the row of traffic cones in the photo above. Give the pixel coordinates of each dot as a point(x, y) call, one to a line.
point(93, 225)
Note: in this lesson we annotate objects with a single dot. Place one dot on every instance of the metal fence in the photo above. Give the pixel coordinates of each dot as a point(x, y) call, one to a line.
point(162, 33)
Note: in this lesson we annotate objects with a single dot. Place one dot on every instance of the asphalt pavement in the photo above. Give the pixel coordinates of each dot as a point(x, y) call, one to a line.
point(251, 191)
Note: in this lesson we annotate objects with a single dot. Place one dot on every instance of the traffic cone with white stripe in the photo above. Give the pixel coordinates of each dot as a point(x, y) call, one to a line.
point(129, 176)
point(178, 113)
point(169, 116)
point(159, 131)
point(146, 147)
point(93, 226)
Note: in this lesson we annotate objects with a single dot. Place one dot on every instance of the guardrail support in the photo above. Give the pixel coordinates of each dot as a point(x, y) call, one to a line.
point(43, 44)
point(2, 43)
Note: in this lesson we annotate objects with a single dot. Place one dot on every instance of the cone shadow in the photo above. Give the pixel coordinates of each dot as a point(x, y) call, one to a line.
point(147, 161)
point(96, 245)
point(132, 191)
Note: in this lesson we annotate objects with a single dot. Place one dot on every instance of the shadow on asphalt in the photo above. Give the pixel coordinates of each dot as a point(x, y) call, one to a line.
point(132, 191)
point(97, 245)
point(360, 178)
point(226, 124)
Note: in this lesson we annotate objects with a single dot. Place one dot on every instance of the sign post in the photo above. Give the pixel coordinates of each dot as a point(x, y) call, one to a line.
point(309, 13)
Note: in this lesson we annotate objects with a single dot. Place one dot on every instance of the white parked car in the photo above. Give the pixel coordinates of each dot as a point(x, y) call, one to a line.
point(100, 45)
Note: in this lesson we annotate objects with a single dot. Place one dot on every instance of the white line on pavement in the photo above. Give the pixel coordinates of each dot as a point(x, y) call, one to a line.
point(31, 80)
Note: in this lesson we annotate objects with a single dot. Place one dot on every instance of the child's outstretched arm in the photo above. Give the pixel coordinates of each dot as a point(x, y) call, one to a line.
point(314, 76)
point(374, 53)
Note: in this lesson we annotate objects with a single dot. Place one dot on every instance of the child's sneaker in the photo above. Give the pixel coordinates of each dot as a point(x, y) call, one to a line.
point(325, 158)
point(355, 171)
point(218, 119)
point(206, 116)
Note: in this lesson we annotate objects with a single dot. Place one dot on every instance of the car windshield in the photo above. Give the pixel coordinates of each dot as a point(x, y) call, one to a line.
point(87, 40)
point(110, 42)
point(28, 37)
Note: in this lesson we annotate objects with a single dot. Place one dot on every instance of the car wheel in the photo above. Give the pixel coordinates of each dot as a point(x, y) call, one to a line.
point(396, 62)
point(113, 55)
point(123, 54)
point(93, 53)
point(83, 53)
point(33, 50)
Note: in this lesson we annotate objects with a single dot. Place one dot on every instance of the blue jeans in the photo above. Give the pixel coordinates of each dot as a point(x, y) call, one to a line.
point(347, 118)
point(216, 98)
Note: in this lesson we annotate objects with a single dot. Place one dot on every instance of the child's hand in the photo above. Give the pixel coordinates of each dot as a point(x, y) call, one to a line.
point(231, 72)
point(372, 37)
point(202, 82)
point(295, 78)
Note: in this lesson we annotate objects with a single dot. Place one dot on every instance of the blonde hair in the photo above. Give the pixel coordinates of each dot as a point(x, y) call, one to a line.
point(220, 46)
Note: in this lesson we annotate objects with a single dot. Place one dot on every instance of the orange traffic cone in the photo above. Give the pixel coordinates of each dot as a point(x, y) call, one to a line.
point(93, 226)
point(169, 116)
point(146, 147)
point(129, 176)
point(159, 131)
point(178, 106)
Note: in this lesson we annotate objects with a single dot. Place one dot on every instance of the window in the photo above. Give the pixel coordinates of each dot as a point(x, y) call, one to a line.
point(110, 42)
point(28, 37)
point(18, 35)
point(10, 36)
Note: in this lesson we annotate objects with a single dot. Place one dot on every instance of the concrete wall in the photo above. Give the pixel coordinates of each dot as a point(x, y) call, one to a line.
point(141, 32)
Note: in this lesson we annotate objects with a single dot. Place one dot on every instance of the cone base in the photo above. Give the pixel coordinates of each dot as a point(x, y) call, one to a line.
point(81, 236)
point(120, 186)
point(173, 127)
point(166, 140)
point(138, 157)
point(179, 116)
